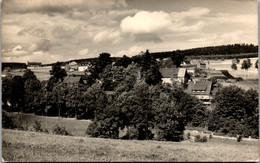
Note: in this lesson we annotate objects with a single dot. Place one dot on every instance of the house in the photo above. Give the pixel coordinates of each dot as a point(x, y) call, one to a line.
point(72, 66)
point(34, 64)
point(171, 75)
point(190, 68)
point(201, 90)
point(71, 80)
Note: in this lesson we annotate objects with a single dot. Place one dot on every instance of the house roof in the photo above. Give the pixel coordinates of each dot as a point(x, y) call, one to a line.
point(201, 62)
point(199, 87)
point(169, 72)
point(71, 80)
point(173, 72)
point(182, 72)
point(167, 63)
point(77, 73)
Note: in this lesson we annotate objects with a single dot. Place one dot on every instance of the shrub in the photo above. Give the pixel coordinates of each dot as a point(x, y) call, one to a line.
point(7, 122)
point(210, 136)
point(188, 135)
point(203, 139)
point(132, 133)
point(57, 130)
point(37, 126)
point(239, 138)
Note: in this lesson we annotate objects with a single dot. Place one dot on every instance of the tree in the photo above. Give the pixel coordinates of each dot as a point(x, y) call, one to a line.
point(234, 66)
point(235, 112)
point(246, 64)
point(57, 72)
point(124, 61)
point(256, 64)
point(177, 57)
point(32, 87)
point(149, 69)
point(17, 93)
point(29, 75)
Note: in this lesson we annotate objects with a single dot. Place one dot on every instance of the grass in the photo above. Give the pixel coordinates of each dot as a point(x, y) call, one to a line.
point(244, 84)
point(32, 146)
point(75, 127)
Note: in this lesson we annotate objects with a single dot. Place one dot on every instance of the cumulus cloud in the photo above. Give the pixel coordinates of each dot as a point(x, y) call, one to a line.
point(83, 52)
point(18, 51)
point(146, 22)
point(107, 36)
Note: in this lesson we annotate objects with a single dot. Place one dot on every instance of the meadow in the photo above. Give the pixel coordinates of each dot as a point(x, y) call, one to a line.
point(20, 145)
point(32, 146)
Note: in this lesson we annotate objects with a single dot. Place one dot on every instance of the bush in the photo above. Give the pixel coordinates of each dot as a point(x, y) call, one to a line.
point(203, 139)
point(239, 138)
point(7, 122)
point(132, 133)
point(188, 135)
point(210, 136)
point(57, 130)
point(37, 126)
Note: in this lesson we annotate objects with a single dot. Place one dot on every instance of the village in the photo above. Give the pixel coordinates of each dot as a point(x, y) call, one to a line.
point(199, 78)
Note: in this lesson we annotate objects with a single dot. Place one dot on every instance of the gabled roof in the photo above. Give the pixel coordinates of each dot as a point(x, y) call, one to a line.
point(173, 72)
point(199, 88)
point(182, 72)
point(71, 80)
point(169, 72)
point(77, 73)
point(167, 63)
point(201, 62)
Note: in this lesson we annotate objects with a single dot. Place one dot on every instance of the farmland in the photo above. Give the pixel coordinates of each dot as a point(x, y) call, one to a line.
point(32, 146)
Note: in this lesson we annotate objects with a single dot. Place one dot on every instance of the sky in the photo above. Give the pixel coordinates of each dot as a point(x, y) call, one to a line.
point(48, 31)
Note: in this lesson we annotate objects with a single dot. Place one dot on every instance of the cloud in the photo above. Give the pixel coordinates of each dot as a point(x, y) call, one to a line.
point(43, 45)
point(58, 6)
point(148, 38)
point(64, 32)
point(134, 50)
point(18, 51)
point(106, 36)
point(198, 40)
point(146, 22)
point(192, 13)
point(36, 32)
point(83, 52)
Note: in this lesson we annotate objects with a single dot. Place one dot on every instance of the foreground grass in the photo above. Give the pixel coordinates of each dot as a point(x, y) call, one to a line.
point(32, 146)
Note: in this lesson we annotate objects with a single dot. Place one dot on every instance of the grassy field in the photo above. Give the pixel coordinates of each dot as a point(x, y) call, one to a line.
point(244, 84)
point(75, 127)
point(32, 146)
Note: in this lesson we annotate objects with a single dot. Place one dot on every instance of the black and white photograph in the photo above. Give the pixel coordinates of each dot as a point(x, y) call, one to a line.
point(129, 81)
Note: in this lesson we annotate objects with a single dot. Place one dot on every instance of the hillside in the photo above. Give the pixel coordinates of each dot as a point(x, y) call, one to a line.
point(32, 146)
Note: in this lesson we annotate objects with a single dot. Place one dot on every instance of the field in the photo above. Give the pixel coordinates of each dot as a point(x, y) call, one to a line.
point(75, 127)
point(32, 146)
point(244, 84)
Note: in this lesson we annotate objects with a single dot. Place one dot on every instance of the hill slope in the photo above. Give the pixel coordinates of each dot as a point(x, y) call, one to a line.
point(32, 146)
